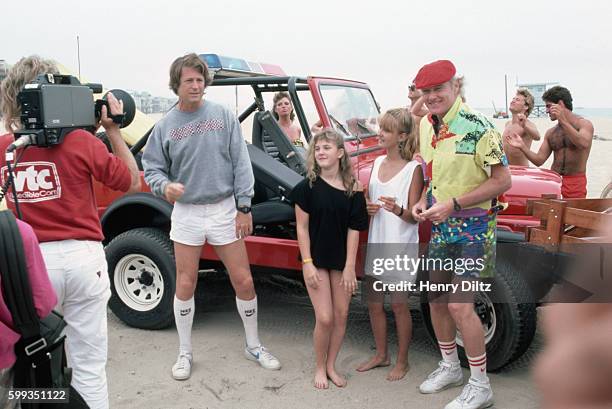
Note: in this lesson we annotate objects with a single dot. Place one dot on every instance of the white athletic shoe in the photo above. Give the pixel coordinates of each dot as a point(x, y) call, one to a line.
point(445, 376)
point(181, 370)
point(263, 356)
point(475, 395)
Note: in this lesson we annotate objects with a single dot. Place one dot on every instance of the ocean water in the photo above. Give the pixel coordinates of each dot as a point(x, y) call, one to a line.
point(590, 113)
point(594, 112)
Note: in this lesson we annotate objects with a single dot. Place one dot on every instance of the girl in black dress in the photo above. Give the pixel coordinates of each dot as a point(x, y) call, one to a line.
point(330, 211)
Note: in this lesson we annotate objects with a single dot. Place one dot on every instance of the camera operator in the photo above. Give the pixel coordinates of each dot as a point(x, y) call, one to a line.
point(57, 199)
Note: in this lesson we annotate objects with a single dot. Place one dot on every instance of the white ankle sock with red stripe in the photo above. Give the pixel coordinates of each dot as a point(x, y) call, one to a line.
point(449, 351)
point(478, 368)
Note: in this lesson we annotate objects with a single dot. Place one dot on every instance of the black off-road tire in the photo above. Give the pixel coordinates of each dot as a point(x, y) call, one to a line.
point(143, 278)
point(515, 319)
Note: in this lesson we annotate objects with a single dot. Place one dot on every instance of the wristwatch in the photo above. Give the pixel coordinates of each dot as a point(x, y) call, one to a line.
point(456, 205)
point(244, 209)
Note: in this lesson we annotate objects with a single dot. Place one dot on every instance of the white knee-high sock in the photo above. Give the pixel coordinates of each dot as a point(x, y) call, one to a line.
point(183, 317)
point(248, 312)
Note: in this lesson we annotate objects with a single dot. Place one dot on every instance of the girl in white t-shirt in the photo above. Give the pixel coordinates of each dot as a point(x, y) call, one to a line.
point(396, 183)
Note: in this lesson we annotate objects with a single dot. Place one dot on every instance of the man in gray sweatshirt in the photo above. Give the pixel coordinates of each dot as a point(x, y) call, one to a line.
point(197, 159)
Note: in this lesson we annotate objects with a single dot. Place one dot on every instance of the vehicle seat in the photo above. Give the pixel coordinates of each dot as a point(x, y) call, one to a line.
point(273, 212)
point(273, 184)
point(271, 139)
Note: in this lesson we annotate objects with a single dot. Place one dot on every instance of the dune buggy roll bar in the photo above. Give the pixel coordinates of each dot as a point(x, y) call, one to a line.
point(271, 84)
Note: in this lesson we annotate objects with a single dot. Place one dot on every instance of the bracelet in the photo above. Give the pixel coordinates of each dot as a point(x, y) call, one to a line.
point(401, 211)
point(306, 261)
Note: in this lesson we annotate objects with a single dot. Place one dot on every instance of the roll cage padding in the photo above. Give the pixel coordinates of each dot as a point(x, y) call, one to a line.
point(272, 174)
point(269, 137)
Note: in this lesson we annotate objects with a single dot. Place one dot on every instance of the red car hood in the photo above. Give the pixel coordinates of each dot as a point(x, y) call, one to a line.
point(529, 183)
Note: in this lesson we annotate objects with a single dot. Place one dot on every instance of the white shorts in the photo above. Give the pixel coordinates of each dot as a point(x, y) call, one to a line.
point(196, 224)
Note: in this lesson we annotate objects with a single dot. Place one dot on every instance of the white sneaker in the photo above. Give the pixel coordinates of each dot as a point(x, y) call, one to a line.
point(181, 370)
point(263, 356)
point(445, 376)
point(475, 395)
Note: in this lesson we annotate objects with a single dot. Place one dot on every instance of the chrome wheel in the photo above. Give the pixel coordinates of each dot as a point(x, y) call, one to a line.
point(138, 282)
point(486, 312)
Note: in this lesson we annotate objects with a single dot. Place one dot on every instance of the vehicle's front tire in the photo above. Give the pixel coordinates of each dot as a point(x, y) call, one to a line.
point(143, 278)
point(509, 325)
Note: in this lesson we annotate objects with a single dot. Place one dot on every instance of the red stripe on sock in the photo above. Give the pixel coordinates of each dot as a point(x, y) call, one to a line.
point(453, 346)
point(480, 362)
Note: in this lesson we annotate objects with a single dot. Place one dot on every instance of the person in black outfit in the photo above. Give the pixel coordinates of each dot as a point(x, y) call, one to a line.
point(330, 210)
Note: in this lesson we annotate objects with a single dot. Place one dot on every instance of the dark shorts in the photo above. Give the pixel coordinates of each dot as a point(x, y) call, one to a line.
point(464, 245)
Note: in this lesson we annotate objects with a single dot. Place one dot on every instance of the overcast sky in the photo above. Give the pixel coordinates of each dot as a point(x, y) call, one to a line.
point(130, 44)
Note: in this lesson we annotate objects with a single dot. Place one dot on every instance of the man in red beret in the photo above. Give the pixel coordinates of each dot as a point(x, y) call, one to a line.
point(467, 169)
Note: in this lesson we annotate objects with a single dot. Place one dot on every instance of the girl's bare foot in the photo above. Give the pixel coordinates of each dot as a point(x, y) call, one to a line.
point(373, 362)
point(320, 379)
point(333, 376)
point(398, 372)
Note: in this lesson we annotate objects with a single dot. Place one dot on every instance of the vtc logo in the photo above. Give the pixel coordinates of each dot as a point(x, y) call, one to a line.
point(34, 182)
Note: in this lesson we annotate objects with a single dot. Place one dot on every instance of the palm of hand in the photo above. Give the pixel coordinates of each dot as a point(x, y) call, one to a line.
point(514, 140)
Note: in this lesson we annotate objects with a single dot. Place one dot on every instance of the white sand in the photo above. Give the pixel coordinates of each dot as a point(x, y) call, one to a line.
point(140, 361)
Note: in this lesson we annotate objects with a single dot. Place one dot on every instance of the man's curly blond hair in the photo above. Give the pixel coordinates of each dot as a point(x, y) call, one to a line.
point(23, 72)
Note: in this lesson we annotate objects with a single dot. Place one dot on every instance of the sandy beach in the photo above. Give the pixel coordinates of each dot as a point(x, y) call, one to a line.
point(140, 361)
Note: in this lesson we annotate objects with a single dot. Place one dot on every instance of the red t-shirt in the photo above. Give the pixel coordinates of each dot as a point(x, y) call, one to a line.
point(55, 188)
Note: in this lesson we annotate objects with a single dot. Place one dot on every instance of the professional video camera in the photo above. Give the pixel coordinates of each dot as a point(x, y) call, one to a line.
point(54, 105)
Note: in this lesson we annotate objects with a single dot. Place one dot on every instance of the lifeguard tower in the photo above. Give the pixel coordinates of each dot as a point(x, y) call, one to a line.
point(537, 90)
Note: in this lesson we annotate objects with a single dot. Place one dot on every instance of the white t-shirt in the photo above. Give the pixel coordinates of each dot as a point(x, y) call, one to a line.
point(399, 236)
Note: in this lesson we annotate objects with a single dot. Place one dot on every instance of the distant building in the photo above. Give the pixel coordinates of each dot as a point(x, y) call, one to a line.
point(149, 104)
point(537, 90)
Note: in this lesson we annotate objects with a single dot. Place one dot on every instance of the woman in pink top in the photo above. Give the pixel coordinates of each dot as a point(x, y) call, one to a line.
point(44, 301)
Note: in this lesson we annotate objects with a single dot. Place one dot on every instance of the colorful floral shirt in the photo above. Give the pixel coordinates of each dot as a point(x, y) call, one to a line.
point(460, 156)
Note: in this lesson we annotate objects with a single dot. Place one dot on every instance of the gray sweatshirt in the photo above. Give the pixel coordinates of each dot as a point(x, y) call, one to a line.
point(204, 150)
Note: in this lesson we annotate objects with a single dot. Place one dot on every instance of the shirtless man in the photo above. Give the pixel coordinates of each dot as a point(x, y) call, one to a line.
point(569, 141)
point(520, 107)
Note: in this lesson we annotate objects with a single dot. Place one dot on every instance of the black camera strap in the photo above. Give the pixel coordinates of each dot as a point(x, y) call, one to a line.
point(16, 283)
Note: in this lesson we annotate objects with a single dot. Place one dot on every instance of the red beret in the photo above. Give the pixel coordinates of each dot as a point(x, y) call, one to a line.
point(435, 73)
